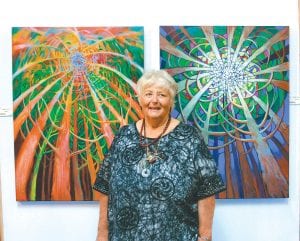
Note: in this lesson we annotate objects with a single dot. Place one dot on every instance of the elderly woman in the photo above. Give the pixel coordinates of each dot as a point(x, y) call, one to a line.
point(158, 180)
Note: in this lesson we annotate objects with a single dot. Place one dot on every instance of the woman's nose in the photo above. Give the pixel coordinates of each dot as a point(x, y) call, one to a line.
point(154, 98)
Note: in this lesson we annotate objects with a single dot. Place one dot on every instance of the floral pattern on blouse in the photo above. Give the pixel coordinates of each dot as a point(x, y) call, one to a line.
point(161, 206)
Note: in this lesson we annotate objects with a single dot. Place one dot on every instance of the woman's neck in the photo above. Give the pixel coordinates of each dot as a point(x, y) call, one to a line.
point(156, 123)
point(152, 130)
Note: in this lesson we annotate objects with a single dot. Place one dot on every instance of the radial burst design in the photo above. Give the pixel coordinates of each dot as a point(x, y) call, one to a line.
point(234, 86)
point(72, 89)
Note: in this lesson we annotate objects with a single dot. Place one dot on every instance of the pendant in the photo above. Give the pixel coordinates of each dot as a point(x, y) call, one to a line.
point(151, 158)
point(144, 164)
point(143, 167)
point(146, 172)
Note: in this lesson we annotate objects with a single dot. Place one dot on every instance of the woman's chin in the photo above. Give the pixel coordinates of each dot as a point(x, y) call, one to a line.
point(155, 115)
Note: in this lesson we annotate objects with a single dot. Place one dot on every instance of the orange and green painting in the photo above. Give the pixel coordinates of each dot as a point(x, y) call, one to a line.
point(234, 86)
point(72, 90)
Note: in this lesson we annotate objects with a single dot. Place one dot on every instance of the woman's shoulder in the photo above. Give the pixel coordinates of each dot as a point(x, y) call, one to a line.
point(124, 133)
point(127, 129)
point(187, 127)
point(186, 131)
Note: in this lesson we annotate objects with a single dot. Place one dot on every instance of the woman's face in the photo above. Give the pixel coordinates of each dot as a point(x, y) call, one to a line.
point(156, 102)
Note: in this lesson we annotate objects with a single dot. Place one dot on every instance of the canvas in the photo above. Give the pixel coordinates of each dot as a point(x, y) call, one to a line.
point(234, 86)
point(73, 87)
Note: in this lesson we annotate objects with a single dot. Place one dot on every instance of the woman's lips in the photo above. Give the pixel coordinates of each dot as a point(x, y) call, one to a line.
point(154, 108)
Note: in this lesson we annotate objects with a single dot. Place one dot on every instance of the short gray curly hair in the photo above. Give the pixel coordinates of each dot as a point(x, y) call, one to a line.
point(161, 77)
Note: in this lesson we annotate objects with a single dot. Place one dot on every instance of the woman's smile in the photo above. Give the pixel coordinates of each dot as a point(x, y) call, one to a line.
point(156, 102)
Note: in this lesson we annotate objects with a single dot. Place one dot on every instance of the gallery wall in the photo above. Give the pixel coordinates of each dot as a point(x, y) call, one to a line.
point(1, 223)
point(235, 219)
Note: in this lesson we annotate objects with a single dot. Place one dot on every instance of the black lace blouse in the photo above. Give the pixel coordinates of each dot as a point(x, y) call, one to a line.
point(157, 202)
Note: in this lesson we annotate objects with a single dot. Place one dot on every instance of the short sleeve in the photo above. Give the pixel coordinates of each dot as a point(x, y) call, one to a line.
point(103, 175)
point(208, 177)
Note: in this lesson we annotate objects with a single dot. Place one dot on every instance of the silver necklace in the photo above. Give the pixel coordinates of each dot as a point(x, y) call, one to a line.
point(151, 156)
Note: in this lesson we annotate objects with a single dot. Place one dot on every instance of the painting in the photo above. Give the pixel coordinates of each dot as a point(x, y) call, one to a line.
point(234, 86)
point(73, 87)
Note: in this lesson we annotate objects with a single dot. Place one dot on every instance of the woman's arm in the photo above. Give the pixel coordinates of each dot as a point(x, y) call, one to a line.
point(206, 208)
point(102, 234)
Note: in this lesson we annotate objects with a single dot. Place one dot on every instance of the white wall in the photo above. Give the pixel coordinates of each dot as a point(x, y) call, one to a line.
point(235, 220)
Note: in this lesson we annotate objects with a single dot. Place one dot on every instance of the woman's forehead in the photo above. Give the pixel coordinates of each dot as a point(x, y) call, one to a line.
point(156, 86)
